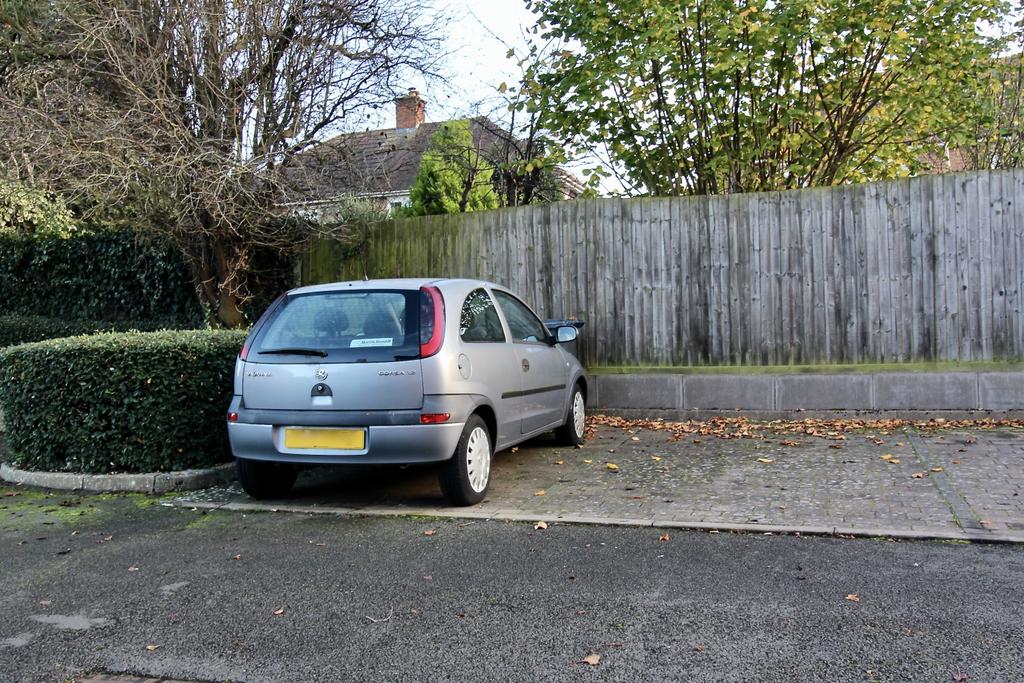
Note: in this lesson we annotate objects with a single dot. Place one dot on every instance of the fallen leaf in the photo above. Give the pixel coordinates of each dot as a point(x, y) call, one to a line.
point(611, 450)
point(587, 462)
point(236, 557)
point(835, 446)
point(559, 462)
point(542, 492)
point(152, 648)
point(592, 660)
point(414, 611)
point(540, 525)
point(430, 532)
point(789, 443)
point(698, 648)
point(853, 597)
point(919, 475)
point(612, 466)
point(836, 429)
point(133, 568)
point(656, 458)
point(279, 612)
point(984, 521)
point(45, 603)
point(515, 449)
point(956, 462)
point(635, 438)
point(887, 456)
point(937, 469)
point(959, 676)
point(766, 461)
point(10, 494)
point(663, 537)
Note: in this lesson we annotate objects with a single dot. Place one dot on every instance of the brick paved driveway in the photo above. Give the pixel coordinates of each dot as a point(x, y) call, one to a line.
point(906, 482)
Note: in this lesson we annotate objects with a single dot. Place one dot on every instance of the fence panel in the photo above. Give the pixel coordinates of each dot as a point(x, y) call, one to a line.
point(928, 268)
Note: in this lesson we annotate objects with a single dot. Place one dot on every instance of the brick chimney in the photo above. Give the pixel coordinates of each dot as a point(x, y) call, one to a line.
point(410, 111)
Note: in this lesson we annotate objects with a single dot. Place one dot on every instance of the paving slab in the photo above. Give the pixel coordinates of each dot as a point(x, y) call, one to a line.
point(966, 485)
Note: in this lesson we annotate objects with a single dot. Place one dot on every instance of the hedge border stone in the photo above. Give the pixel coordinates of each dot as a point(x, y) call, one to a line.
point(150, 482)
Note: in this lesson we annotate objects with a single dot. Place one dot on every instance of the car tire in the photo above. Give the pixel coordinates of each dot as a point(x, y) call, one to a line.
point(465, 478)
point(263, 480)
point(572, 430)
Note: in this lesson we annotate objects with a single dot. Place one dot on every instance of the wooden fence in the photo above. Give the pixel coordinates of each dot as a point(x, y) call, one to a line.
point(928, 268)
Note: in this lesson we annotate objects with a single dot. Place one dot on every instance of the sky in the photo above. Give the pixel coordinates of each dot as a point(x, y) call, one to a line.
point(478, 37)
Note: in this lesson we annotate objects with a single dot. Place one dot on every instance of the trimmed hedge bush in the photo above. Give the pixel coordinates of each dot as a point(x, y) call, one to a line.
point(119, 402)
point(21, 329)
point(96, 276)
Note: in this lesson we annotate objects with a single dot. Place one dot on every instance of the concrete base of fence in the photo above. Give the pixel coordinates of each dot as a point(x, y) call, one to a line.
point(771, 394)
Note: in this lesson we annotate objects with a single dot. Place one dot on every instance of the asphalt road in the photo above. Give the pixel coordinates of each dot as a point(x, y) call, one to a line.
point(88, 585)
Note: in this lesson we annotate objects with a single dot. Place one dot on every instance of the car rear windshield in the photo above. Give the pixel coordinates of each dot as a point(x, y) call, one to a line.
point(362, 326)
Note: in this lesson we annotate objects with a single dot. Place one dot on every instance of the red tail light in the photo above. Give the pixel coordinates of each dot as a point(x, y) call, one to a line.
point(434, 418)
point(244, 353)
point(431, 321)
point(232, 417)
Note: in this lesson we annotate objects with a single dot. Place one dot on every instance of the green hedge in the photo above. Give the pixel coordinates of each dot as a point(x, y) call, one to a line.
point(21, 329)
point(119, 402)
point(96, 276)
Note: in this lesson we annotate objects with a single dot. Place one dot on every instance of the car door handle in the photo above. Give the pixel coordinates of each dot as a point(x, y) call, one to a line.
point(526, 365)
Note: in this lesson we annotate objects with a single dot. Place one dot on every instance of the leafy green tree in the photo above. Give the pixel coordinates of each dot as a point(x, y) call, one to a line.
point(31, 212)
point(453, 176)
point(715, 96)
point(997, 140)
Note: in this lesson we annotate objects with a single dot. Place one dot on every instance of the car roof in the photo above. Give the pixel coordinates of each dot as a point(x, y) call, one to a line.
point(394, 283)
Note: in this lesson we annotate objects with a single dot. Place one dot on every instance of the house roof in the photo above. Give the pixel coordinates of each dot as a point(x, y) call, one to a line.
point(374, 162)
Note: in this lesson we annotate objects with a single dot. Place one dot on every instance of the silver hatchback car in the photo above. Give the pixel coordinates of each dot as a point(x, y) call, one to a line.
point(399, 371)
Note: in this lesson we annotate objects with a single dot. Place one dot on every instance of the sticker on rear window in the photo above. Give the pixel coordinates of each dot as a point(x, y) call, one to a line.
point(376, 341)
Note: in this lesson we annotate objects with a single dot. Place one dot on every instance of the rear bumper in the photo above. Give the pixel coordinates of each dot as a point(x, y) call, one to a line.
point(385, 444)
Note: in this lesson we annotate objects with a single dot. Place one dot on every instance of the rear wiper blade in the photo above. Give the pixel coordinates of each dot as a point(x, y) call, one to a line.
point(297, 352)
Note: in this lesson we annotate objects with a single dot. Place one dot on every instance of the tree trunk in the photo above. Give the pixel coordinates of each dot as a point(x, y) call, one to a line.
point(218, 269)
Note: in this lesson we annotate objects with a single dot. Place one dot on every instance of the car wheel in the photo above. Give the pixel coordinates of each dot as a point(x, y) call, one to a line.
point(571, 432)
point(464, 479)
point(265, 479)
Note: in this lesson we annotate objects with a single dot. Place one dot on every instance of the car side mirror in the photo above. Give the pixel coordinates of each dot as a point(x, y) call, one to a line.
point(566, 333)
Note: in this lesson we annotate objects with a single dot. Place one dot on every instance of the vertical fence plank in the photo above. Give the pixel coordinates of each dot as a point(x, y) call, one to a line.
point(1013, 191)
point(805, 270)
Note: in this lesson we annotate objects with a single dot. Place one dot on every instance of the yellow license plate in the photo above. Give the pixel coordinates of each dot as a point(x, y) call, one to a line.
point(327, 439)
